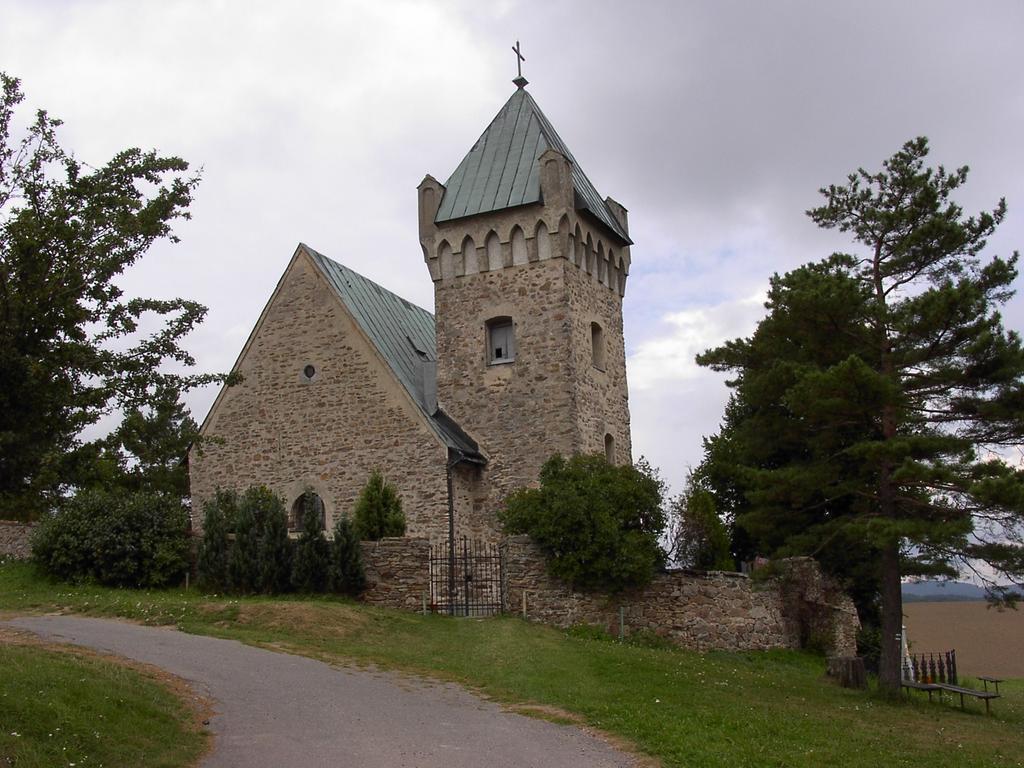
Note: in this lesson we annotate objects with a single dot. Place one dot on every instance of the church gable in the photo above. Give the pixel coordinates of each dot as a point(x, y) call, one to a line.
point(320, 406)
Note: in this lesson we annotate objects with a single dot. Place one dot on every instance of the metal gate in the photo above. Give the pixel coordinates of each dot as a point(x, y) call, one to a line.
point(465, 578)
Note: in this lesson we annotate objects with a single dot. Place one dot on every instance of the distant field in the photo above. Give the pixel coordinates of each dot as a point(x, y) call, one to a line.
point(987, 642)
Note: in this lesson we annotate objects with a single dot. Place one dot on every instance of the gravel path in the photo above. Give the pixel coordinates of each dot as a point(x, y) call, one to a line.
point(275, 710)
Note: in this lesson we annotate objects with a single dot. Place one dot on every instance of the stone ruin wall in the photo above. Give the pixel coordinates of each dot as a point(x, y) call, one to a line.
point(702, 611)
point(16, 539)
point(699, 610)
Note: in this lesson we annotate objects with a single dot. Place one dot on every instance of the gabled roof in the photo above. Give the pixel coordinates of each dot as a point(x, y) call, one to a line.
point(404, 336)
point(501, 170)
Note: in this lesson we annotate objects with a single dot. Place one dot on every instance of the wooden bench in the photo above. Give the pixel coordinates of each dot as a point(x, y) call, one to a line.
point(986, 696)
point(930, 687)
point(985, 680)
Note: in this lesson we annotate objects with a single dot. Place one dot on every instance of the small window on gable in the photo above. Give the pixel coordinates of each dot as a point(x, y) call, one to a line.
point(597, 345)
point(500, 342)
point(609, 448)
point(298, 511)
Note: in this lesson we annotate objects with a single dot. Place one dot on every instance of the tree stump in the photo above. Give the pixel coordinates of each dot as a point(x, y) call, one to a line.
point(848, 671)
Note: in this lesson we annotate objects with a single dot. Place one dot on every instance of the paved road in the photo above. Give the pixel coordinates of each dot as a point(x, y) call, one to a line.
point(274, 710)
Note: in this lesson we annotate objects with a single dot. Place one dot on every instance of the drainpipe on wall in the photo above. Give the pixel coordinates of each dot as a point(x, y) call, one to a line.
point(453, 458)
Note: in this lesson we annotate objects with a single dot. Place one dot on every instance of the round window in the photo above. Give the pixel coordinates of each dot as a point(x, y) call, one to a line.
point(309, 371)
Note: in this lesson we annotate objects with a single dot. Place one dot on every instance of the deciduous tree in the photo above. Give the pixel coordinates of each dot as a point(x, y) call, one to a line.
point(72, 346)
point(598, 523)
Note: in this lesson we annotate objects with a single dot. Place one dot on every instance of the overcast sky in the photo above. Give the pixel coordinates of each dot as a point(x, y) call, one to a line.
point(714, 123)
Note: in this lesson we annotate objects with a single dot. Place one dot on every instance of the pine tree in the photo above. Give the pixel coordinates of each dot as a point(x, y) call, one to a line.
point(897, 444)
point(312, 555)
point(769, 481)
point(147, 451)
point(346, 574)
point(378, 513)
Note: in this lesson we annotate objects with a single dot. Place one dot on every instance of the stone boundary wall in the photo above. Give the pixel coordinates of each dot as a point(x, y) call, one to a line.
point(16, 539)
point(699, 610)
point(397, 572)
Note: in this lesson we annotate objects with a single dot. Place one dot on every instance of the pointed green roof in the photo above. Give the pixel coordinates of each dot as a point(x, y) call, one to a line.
point(501, 170)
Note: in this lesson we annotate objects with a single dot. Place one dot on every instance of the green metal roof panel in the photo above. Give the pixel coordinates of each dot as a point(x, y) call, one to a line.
point(403, 334)
point(501, 170)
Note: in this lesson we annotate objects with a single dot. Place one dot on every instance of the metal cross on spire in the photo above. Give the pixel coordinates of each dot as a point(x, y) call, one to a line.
point(520, 81)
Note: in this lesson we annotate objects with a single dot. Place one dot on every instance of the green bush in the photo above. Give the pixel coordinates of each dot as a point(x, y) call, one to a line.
point(312, 553)
point(260, 556)
point(598, 523)
point(115, 539)
point(378, 512)
point(219, 518)
point(346, 574)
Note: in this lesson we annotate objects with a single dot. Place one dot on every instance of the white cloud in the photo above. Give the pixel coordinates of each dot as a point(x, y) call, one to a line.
point(670, 358)
point(714, 123)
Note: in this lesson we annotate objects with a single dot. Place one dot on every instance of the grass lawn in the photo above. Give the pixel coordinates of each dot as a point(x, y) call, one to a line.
point(685, 708)
point(65, 707)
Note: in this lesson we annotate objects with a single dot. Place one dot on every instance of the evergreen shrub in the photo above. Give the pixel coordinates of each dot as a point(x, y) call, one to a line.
point(312, 552)
point(378, 512)
point(346, 574)
point(219, 520)
point(260, 556)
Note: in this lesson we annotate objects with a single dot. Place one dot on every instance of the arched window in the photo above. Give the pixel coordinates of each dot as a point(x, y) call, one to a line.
point(468, 256)
point(519, 247)
point(493, 252)
point(597, 346)
point(298, 511)
point(469, 259)
point(500, 341)
point(543, 241)
point(609, 448)
point(444, 255)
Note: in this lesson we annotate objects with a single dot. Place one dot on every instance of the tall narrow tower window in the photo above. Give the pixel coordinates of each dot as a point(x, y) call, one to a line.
point(519, 252)
point(500, 341)
point(609, 448)
point(597, 346)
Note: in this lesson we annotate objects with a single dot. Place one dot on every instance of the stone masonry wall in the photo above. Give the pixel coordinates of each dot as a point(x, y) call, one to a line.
point(16, 539)
point(601, 395)
point(522, 411)
point(329, 433)
point(397, 572)
point(697, 610)
point(566, 273)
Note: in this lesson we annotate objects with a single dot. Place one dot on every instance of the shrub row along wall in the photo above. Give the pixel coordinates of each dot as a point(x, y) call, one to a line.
point(698, 610)
point(397, 572)
point(16, 539)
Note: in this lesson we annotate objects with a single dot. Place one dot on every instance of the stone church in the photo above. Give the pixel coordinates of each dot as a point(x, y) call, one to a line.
point(523, 357)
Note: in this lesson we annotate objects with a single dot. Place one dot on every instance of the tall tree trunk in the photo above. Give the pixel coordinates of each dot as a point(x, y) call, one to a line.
point(889, 672)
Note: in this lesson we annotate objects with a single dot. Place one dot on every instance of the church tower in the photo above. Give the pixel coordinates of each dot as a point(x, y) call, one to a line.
point(529, 266)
